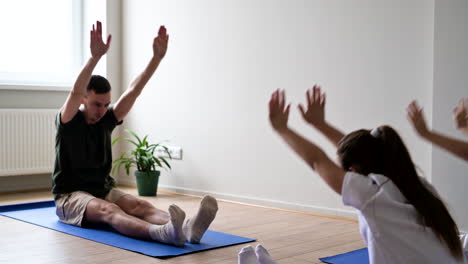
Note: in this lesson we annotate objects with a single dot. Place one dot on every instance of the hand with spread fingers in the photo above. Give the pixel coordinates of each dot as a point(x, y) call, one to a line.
point(415, 115)
point(460, 115)
point(279, 114)
point(314, 112)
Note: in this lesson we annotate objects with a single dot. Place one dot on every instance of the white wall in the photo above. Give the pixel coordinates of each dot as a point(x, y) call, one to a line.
point(210, 94)
point(450, 84)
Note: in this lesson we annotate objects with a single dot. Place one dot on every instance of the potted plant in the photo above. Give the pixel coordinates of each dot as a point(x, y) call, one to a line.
point(143, 158)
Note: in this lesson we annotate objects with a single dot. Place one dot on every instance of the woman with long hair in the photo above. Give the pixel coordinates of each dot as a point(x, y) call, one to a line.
point(402, 219)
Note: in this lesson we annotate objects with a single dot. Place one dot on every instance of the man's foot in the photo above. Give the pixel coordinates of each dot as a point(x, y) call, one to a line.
point(170, 233)
point(195, 227)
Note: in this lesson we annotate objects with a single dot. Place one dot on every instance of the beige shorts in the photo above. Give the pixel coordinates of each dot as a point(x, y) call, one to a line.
point(71, 207)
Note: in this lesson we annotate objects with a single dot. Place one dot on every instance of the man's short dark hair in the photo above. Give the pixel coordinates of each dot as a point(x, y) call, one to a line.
point(98, 84)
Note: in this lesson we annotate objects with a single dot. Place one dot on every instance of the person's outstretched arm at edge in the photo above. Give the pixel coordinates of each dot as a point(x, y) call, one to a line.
point(416, 117)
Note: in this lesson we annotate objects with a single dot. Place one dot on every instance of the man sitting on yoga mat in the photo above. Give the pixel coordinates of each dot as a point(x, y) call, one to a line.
point(84, 191)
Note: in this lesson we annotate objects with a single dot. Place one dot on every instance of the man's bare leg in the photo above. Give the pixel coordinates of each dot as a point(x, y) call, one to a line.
point(142, 209)
point(101, 211)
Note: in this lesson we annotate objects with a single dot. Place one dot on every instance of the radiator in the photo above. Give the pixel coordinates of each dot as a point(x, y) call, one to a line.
point(27, 141)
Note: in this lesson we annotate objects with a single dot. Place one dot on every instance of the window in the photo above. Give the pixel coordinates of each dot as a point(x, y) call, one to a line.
point(42, 42)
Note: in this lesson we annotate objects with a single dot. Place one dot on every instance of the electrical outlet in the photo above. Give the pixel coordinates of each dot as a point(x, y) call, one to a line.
point(176, 152)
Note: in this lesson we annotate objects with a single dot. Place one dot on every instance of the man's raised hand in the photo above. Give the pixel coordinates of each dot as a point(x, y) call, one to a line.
point(98, 47)
point(160, 43)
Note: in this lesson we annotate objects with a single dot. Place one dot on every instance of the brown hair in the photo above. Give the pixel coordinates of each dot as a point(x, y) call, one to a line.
point(383, 152)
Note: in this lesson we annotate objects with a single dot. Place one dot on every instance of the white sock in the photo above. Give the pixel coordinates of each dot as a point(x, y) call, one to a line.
point(263, 256)
point(170, 233)
point(195, 227)
point(247, 256)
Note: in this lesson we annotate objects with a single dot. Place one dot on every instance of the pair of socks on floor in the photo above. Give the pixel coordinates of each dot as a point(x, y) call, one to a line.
point(247, 255)
point(177, 231)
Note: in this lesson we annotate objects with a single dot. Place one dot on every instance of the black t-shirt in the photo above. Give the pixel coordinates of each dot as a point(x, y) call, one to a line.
point(83, 155)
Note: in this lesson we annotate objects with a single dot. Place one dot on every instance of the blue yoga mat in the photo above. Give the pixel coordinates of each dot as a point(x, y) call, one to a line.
point(43, 214)
point(360, 256)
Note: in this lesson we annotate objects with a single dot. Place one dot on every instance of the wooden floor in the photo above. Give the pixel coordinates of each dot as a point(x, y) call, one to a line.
point(290, 237)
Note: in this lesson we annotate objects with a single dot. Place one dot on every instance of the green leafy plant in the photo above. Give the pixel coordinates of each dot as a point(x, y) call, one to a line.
point(142, 156)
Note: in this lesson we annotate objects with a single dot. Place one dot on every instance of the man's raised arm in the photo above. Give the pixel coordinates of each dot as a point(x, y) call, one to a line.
point(128, 98)
point(98, 49)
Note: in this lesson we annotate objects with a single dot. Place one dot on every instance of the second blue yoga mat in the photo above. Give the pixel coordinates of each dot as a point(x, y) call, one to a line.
point(360, 256)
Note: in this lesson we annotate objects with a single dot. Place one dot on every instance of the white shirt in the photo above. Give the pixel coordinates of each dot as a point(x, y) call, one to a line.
point(389, 224)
